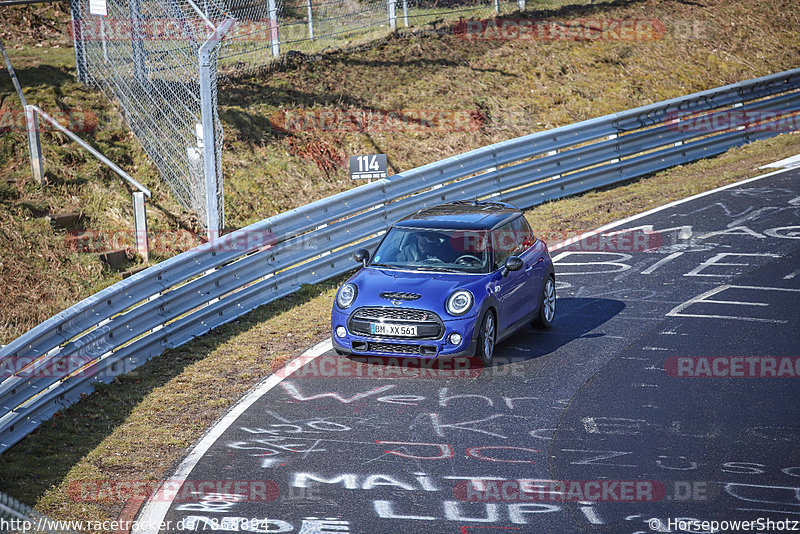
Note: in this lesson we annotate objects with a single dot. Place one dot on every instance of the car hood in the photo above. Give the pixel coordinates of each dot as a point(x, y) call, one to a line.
point(434, 287)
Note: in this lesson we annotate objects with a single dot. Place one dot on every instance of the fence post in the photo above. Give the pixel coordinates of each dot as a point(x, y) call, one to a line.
point(390, 4)
point(274, 35)
point(140, 225)
point(310, 20)
point(208, 114)
point(521, 4)
point(34, 144)
point(103, 39)
point(77, 41)
point(405, 12)
point(135, 10)
point(209, 146)
point(497, 6)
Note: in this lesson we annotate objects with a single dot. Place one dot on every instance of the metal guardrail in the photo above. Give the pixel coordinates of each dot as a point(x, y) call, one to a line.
point(168, 304)
point(11, 510)
point(18, 517)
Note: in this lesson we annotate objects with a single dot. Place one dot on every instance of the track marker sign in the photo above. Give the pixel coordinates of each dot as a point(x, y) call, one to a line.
point(371, 167)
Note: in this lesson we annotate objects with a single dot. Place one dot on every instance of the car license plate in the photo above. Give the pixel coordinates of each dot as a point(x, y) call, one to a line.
point(385, 329)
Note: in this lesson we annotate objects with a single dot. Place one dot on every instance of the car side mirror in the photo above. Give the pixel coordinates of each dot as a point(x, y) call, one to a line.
point(513, 263)
point(361, 256)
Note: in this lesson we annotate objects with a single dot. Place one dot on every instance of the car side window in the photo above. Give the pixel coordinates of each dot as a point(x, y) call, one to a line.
point(503, 244)
point(524, 235)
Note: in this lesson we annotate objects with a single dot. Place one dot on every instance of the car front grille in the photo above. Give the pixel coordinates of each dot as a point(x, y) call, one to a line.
point(398, 348)
point(393, 347)
point(395, 314)
point(429, 325)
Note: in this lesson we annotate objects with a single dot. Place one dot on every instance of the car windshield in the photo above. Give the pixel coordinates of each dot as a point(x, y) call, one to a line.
point(462, 251)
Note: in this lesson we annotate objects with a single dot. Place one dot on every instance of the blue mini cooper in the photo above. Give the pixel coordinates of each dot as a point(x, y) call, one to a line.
point(450, 280)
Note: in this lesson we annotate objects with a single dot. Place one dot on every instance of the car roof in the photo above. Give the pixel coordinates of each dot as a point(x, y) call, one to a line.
point(462, 215)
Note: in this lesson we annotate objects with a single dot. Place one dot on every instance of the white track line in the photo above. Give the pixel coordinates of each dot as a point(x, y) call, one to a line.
point(787, 163)
point(153, 512)
point(609, 226)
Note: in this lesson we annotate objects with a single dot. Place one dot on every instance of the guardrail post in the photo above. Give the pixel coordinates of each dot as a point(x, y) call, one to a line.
point(274, 33)
point(310, 20)
point(553, 153)
point(34, 144)
point(392, 9)
point(738, 105)
point(140, 226)
point(610, 137)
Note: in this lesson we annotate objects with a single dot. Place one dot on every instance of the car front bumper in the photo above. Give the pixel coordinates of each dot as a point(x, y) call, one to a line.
point(371, 345)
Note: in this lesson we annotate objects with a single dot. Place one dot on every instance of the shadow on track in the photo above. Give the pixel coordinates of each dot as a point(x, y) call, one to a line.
point(575, 318)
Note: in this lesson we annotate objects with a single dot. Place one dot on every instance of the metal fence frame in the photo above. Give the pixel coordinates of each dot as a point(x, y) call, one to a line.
point(167, 305)
point(166, 92)
point(32, 116)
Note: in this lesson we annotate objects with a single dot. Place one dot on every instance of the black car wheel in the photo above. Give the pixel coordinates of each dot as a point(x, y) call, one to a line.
point(547, 304)
point(487, 338)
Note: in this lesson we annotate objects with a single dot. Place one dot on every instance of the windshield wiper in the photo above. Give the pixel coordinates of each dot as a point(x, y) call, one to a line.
point(383, 265)
point(438, 269)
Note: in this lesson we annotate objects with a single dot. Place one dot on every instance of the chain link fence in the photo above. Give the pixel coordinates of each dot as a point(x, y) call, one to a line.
point(161, 62)
point(266, 29)
point(145, 56)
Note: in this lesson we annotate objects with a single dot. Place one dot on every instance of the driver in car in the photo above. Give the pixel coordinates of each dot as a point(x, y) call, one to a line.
point(427, 246)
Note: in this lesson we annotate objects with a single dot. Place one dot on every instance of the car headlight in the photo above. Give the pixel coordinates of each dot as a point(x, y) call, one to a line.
point(346, 296)
point(459, 302)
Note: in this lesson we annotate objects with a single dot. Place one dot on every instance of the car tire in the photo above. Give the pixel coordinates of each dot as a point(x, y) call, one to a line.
point(547, 304)
point(487, 338)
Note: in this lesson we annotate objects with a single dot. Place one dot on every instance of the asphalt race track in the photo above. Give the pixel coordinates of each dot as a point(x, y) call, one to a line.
point(627, 406)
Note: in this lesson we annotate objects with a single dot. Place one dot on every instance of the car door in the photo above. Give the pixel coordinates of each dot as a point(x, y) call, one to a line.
point(510, 290)
point(532, 253)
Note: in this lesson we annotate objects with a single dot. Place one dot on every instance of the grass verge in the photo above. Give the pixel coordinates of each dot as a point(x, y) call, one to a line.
point(138, 427)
